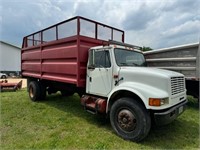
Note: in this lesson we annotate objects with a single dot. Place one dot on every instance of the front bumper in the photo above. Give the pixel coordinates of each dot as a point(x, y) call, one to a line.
point(167, 116)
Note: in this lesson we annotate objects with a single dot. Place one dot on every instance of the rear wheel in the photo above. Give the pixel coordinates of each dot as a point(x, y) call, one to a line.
point(34, 91)
point(130, 119)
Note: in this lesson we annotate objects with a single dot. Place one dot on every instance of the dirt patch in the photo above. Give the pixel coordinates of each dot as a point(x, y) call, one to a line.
point(16, 80)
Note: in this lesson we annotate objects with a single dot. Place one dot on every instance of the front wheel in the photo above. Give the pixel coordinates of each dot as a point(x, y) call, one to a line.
point(130, 119)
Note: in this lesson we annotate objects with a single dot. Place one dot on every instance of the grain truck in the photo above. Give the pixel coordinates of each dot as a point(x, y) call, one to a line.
point(184, 59)
point(90, 58)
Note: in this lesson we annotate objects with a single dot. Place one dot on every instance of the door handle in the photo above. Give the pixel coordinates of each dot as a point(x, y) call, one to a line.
point(90, 79)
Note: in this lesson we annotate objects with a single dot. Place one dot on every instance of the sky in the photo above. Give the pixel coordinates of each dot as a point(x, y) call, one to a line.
point(150, 23)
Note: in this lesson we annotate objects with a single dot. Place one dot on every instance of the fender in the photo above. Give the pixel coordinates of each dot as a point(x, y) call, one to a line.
point(141, 90)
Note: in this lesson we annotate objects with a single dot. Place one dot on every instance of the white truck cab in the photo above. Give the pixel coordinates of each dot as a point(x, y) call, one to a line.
point(130, 93)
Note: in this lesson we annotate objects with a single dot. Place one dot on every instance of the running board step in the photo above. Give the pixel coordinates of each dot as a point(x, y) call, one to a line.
point(92, 112)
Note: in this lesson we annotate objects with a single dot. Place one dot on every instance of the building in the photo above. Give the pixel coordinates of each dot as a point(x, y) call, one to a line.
point(10, 58)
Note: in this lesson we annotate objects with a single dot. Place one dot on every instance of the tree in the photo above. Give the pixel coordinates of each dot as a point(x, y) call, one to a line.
point(144, 49)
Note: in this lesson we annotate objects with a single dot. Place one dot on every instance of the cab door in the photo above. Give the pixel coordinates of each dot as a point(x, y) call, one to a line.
point(99, 72)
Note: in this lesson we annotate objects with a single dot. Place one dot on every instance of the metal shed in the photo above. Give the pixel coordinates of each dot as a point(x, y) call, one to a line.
point(10, 58)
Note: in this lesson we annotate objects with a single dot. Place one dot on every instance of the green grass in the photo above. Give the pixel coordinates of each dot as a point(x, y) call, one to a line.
point(61, 123)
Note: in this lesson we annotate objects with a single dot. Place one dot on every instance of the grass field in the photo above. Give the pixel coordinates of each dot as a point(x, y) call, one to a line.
point(61, 123)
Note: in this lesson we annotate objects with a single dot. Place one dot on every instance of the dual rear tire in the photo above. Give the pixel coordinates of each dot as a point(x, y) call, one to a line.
point(37, 91)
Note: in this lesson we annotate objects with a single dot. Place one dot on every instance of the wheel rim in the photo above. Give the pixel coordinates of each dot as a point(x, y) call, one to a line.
point(126, 120)
point(31, 92)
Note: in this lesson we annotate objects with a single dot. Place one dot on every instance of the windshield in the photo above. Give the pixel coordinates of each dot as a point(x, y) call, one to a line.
point(129, 58)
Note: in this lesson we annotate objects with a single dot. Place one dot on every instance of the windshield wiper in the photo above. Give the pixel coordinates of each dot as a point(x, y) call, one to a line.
point(129, 64)
point(124, 64)
point(135, 64)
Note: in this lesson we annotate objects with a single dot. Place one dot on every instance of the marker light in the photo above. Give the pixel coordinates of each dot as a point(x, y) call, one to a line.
point(115, 76)
point(154, 101)
point(158, 101)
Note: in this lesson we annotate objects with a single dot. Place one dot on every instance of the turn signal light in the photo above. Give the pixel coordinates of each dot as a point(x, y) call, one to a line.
point(154, 101)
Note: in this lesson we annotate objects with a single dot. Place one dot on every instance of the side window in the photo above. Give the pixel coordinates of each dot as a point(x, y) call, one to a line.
point(102, 59)
point(91, 58)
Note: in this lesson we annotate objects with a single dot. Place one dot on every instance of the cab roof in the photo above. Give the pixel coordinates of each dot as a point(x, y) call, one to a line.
point(116, 44)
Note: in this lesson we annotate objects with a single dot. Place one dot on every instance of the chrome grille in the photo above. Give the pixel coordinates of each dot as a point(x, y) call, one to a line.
point(177, 85)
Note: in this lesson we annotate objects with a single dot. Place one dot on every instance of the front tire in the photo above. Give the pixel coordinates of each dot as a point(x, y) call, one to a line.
point(130, 119)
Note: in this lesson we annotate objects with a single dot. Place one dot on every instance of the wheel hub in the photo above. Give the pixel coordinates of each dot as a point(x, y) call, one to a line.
point(126, 120)
point(31, 92)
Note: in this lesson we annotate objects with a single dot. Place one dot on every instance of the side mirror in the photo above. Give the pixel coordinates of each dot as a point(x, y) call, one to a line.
point(92, 67)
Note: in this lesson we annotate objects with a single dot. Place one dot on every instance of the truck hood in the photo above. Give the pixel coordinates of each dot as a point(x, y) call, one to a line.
point(150, 71)
point(157, 78)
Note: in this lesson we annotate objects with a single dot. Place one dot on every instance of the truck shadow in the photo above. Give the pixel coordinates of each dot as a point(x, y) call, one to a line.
point(73, 106)
point(172, 136)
